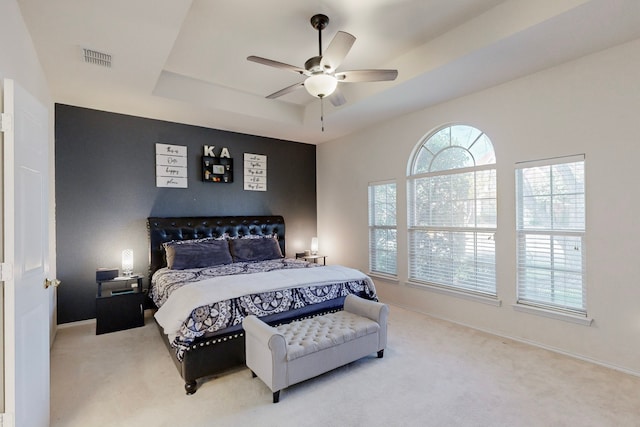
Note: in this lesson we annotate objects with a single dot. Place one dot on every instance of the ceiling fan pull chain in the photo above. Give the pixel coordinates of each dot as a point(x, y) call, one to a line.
point(322, 112)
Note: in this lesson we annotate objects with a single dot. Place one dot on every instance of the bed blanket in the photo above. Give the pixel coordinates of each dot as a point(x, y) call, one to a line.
point(213, 303)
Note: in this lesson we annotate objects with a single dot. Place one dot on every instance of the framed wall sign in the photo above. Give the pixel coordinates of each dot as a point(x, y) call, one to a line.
point(171, 166)
point(255, 172)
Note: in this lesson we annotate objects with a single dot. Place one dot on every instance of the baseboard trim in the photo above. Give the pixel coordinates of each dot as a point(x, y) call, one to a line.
point(77, 323)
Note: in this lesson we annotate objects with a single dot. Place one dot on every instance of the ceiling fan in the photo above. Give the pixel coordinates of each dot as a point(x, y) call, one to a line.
point(322, 79)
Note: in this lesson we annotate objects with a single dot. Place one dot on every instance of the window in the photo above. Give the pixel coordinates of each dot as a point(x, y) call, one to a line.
point(383, 247)
point(551, 232)
point(452, 211)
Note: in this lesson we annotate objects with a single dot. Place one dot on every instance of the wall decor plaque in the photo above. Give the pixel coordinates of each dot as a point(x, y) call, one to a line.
point(171, 166)
point(255, 172)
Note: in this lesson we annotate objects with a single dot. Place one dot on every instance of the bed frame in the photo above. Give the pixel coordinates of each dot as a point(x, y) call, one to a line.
point(223, 350)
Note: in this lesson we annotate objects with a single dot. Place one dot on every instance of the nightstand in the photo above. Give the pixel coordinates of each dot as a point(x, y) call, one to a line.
point(119, 306)
point(313, 258)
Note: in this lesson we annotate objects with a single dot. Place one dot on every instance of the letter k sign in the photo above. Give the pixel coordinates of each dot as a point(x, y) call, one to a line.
point(208, 150)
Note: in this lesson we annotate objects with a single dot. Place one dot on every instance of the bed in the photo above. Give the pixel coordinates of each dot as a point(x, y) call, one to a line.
point(200, 307)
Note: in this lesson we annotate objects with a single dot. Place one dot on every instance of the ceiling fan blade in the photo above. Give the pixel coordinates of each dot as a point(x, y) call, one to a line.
point(356, 76)
point(276, 64)
point(335, 53)
point(337, 97)
point(286, 90)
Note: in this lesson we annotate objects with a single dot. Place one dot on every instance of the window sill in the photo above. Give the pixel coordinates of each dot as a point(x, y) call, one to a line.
point(566, 317)
point(494, 301)
point(385, 277)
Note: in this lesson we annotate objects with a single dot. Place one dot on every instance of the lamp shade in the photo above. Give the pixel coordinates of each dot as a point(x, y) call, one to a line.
point(314, 246)
point(127, 262)
point(320, 85)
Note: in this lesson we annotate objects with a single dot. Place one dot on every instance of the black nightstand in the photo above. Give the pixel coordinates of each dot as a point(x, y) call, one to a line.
point(121, 307)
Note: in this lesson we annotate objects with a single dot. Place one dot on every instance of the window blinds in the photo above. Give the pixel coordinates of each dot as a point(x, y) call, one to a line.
point(452, 228)
point(383, 247)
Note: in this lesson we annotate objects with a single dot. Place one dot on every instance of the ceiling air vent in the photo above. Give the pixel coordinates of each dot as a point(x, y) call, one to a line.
point(95, 57)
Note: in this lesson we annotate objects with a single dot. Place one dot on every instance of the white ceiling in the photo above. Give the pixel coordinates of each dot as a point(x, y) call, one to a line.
point(185, 60)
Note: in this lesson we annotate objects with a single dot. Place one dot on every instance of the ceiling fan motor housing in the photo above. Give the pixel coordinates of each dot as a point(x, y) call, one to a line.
point(313, 65)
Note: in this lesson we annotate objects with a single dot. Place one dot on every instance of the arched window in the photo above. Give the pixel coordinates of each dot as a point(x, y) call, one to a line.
point(452, 210)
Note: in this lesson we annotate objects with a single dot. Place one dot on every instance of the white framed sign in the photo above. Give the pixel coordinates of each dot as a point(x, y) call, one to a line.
point(255, 172)
point(171, 166)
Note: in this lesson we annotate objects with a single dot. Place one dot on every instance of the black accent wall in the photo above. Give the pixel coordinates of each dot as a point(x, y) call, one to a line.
point(106, 188)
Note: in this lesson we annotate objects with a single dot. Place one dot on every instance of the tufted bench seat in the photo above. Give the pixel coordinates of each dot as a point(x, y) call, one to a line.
point(294, 352)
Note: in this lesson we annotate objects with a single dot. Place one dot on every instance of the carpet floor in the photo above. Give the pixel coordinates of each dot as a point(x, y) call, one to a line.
point(434, 373)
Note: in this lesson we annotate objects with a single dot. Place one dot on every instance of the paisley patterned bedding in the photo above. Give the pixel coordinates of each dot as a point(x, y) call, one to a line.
point(222, 314)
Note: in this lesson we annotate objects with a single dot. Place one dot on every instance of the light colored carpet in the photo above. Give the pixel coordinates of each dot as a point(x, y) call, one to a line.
point(433, 373)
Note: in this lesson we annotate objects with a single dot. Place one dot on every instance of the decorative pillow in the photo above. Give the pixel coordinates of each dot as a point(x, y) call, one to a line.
point(246, 250)
point(253, 236)
point(197, 253)
point(224, 236)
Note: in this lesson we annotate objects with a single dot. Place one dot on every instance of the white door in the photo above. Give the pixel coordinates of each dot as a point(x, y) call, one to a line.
point(26, 244)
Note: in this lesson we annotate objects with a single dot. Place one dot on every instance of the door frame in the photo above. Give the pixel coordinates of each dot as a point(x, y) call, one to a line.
point(2, 258)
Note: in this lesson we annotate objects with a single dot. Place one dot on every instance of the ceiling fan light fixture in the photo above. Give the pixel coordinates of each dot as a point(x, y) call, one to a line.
point(320, 85)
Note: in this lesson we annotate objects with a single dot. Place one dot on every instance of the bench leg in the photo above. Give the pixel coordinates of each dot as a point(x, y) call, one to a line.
point(276, 396)
point(190, 387)
point(381, 354)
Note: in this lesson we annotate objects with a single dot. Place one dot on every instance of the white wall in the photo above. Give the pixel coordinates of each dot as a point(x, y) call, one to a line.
point(18, 59)
point(590, 106)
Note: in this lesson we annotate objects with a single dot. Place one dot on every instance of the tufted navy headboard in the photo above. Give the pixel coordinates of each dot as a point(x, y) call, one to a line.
point(163, 230)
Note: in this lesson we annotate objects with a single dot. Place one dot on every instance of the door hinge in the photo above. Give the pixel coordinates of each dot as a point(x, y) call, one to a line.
point(6, 122)
point(6, 272)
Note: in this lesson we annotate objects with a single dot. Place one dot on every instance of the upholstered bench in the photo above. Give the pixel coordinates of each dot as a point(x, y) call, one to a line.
point(294, 352)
